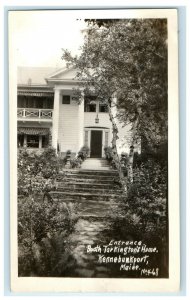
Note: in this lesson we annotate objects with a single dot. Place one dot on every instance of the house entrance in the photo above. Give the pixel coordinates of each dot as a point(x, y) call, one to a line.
point(96, 143)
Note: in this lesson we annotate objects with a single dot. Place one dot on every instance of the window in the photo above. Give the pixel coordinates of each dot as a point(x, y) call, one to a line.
point(91, 107)
point(33, 141)
point(35, 102)
point(49, 103)
point(90, 104)
point(66, 99)
point(21, 102)
point(103, 108)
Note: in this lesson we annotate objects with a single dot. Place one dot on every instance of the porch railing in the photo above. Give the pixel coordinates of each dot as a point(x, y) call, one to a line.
point(34, 113)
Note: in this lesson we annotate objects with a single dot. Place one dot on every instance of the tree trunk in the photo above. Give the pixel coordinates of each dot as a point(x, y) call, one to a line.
point(130, 164)
point(131, 154)
point(114, 150)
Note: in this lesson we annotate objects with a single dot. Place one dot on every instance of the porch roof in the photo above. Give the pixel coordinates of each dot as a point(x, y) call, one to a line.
point(33, 130)
point(36, 93)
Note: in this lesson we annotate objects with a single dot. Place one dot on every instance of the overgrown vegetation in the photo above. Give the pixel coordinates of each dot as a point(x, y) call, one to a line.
point(75, 163)
point(143, 215)
point(124, 159)
point(83, 153)
point(37, 172)
point(81, 156)
point(43, 223)
point(43, 229)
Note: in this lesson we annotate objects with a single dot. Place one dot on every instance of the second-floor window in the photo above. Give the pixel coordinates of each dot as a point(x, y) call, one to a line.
point(35, 102)
point(103, 108)
point(90, 105)
point(66, 99)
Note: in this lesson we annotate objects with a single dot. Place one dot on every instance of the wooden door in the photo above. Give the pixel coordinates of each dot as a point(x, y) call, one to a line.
point(96, 143)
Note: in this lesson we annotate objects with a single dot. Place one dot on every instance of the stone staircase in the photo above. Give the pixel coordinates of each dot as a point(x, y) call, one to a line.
point(100, 164)
point(94, 190)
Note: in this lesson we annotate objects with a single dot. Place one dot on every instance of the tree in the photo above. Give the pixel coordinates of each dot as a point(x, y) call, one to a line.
point(124, 63)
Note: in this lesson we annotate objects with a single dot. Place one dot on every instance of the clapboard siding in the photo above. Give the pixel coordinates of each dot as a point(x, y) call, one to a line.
point(68, 127)
point(72, 124)
point(89, 120)
point(81, 125)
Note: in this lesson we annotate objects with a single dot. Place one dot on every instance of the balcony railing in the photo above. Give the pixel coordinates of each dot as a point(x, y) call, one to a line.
point(33, 113)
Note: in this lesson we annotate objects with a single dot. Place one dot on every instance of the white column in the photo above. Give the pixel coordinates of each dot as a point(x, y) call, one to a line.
point(55, 125)
point(81, 124)
point(40, 141)
point(103, 142)
point(25, 141)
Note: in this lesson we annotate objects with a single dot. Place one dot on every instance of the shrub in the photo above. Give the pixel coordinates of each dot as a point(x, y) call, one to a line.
point(108, 153)
point(123, 159)
point(41, 221)
point(109, 156)
point(143, 213)
point(37, 173)
point(42, 227)
point(68, 152)
point(76, 162)
point(147, 199)
point(83, 153)
point(62, 162)
point(147, 195)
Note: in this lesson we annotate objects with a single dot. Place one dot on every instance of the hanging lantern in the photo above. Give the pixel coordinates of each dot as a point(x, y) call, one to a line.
point(97, 119)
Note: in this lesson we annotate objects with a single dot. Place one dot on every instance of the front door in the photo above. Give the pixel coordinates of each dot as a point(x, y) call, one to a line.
point(96, 143)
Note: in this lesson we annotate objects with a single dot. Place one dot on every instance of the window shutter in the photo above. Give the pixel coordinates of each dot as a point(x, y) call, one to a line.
point(86, 138)
point(106, 139)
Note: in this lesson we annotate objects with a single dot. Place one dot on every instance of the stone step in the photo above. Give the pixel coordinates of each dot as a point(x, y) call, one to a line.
point(88, 189)
point(77, 185)
point(89, 170)
point(87, 180)
point(91, 174)
point(96, 161)
point(89, 177)
point(86, 202)
point(84, 196)
point(91, 163)
point(93, 208)
point(95, 168)
point(98, 172)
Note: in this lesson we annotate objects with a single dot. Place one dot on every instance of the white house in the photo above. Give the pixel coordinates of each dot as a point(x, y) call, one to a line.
point(48, 113)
